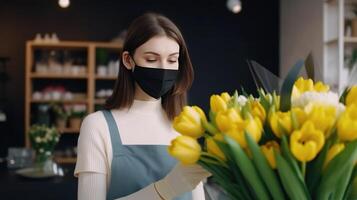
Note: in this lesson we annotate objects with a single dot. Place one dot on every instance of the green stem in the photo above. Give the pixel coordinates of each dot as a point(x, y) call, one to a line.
point(210, 161)
point(303, 169)
point(215, 157)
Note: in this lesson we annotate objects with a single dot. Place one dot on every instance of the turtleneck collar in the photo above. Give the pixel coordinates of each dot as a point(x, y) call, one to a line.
point(152, 106)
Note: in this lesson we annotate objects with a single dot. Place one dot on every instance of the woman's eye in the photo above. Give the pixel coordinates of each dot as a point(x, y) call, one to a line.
point(172, 61)
point(151, 61)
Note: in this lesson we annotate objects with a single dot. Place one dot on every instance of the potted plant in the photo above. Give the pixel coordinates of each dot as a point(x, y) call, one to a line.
point(77, 114)
point(43, 140)
point(61, 116)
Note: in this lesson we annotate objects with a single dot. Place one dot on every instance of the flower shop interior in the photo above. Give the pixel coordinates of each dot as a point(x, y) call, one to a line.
point(59, 60)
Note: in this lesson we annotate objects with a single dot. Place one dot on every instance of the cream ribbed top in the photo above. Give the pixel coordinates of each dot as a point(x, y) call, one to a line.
point(144, 123)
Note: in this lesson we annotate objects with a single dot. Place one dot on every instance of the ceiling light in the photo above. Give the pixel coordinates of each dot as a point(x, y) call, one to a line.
point(234, 5)
point(63, 3)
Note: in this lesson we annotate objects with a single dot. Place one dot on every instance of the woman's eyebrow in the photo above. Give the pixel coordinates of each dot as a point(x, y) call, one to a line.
point(174, 53)
point(151, 52)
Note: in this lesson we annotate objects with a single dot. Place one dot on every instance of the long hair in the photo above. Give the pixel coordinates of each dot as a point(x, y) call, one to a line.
point(140, 31)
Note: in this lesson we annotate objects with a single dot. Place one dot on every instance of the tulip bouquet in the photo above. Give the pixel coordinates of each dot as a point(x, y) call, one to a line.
point(298, 144)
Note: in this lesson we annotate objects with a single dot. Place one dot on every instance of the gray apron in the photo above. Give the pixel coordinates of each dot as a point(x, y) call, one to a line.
point(136, 166)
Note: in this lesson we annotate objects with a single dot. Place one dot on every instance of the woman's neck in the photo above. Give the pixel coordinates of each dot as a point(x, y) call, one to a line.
point(144, 103)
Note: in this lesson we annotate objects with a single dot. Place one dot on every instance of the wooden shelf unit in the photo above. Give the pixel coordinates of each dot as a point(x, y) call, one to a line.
point(58, 76)
point(72, 101)
point(105, 77)
point(99, 101)
point(337, 43)
point(90, 77)
point(66, 160)
point(68, 131)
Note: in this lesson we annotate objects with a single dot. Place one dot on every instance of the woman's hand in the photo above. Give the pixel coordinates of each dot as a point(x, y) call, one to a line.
point(181, 179)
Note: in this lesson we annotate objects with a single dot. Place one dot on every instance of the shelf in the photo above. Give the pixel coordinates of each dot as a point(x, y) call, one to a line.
point(87, 50)
point(331, 41)
point(98, 77)
point(60, 101)
point(76, 44)
point(58, 76)
point(66, 160)
point(109, 45)
point(99, 101)
point(350, 39)
point(69, 131)
point(61, 44)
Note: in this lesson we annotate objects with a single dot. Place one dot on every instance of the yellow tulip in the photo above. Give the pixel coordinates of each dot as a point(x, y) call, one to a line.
point(347, 124)
point(255, 127)
point(306, 143)
point(268, 150)
point(226, 97)
point(252, 126)
point(332, 152)
point(280, 123)
point(226, 119)
point(305, 85)
point(218, 103)
point(185, 149)
point(201, 113)
point(189, 122)
point(323, 116)
point(213, 148)
point(300, 115)
point(302, 85)
point(352, 96)
point(321, 87)
point(258, 110)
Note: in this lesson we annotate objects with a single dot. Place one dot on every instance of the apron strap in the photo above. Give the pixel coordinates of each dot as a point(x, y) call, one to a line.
point(114, 133)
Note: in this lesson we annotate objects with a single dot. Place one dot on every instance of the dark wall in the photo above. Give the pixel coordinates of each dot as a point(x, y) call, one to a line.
point(218, 40)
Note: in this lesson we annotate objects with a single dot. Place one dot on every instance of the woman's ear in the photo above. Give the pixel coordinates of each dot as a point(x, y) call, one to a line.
point(127, 60)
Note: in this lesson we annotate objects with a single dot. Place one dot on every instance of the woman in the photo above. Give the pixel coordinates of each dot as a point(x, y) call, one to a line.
point(122, 151)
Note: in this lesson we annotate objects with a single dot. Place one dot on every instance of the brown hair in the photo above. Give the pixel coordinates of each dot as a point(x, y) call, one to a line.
point(141, 30)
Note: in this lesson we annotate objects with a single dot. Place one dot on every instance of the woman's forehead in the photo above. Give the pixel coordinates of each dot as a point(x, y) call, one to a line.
point(161, 45)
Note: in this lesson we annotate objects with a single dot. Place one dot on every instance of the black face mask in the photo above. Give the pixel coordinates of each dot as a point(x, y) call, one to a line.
point(156, 82)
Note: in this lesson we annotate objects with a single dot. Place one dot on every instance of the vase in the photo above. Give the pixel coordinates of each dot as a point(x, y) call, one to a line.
point(44, 163)
point(75, 123)
point(61, 124)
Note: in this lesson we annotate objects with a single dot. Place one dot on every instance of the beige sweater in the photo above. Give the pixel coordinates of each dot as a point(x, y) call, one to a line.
point(144, 123)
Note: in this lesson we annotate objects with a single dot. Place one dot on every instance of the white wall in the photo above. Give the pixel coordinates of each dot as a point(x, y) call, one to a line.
point(301, 31)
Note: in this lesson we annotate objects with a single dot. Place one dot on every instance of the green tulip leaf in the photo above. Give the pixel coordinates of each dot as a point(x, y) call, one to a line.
point(286, 89)
point(235, 169)
point(290, 180)
point(248, 169)
point(351, 192)
point(335, 169)
point(314, 168)
point(309, 66)
point(264, 169)
point(341, 187)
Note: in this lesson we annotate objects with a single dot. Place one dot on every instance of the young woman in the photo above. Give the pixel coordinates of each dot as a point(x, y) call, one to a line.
point(122, 150)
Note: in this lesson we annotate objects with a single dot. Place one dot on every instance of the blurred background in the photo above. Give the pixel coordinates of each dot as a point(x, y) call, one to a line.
point(59, 60)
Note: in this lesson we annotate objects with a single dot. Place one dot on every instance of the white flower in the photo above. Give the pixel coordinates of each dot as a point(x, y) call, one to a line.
point(325, 98)
point(242, 100)
point(41, 150)
point(79, 107)
point(38, 140)
point(48, 153)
